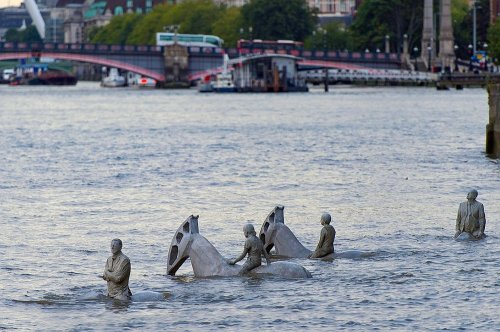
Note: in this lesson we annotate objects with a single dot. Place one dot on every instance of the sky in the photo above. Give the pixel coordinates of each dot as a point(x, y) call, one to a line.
point(7, 3)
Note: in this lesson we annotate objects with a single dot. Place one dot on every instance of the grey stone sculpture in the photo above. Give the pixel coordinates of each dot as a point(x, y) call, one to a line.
point(471, 219)
point(253, 248)
point(326, 238)
point(274, 233)
point(117, 272)
point(206, 261)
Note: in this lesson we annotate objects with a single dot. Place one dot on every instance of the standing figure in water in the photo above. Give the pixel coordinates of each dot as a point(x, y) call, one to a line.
point(326, 238)
point(471, 218)
point(117, 272)
point(254, 249)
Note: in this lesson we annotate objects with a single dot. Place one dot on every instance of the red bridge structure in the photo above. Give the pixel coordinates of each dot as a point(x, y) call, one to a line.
point(149, 61)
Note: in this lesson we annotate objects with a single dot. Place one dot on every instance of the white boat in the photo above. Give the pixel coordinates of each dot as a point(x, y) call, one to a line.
point(112, 79)
point(207, 84)
point(224, 83)
point(224, 80)
point(145, 82)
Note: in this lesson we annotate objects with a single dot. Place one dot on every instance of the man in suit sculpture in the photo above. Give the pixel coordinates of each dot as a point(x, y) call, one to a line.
point(470, 217)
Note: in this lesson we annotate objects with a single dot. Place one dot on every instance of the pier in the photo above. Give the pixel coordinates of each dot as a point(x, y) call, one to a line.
point(493, 127)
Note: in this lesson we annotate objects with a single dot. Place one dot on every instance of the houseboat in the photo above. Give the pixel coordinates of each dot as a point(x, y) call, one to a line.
point(268, 73)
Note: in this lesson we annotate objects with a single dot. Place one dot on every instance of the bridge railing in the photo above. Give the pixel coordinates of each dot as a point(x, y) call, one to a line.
point(329, 55)
point(79, 48)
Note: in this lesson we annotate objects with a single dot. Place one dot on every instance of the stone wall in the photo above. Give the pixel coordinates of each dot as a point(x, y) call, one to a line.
point(493, 127)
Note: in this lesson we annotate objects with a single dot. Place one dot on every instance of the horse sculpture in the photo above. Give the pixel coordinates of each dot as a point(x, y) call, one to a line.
point(274, 233)
point(208, 262)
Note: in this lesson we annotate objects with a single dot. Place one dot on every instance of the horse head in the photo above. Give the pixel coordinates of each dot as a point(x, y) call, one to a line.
point(181, 242)
point(270, 226)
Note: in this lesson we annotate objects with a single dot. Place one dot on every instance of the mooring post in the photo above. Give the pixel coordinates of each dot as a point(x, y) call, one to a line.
point(326, 79)
point(493, 127)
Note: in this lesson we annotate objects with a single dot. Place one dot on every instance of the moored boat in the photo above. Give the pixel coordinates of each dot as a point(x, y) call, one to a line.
point(112, 78)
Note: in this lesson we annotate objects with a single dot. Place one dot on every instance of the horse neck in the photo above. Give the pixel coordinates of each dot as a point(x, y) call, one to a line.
point(206, 260)
point(287, 244)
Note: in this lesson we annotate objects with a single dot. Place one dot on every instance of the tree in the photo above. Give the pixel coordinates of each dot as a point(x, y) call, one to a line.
point(278, 19)
point(118, 30)
point(377, 18)
point(29, 35)
point(333, 36)
point(191, 16)
point(227, 26)
point(494, 39)
point(463, 25)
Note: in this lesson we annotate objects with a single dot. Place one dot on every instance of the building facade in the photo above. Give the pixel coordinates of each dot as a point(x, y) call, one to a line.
point(494, 10)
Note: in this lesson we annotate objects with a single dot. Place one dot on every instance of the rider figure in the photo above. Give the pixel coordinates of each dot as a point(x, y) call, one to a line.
point(254, 249)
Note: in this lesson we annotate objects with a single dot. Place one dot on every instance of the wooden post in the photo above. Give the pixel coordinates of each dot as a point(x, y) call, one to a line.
point(326, 79)
point(493, 127)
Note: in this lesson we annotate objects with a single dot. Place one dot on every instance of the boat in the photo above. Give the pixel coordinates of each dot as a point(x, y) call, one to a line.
point(207, 84)
point(224, 83)
point(146, 82)
point(6, 76)
point(112, 78)
point(40, 74)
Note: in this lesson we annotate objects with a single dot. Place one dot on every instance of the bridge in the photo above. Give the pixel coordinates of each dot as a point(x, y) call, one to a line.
point(149, 61)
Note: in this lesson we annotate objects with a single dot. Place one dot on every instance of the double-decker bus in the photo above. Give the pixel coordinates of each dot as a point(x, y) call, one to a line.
point(289, 45)
point(167, 38)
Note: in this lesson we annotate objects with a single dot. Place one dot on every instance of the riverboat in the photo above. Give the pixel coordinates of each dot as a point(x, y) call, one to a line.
point(268, 73)
point(39, 74)
point(112, 78)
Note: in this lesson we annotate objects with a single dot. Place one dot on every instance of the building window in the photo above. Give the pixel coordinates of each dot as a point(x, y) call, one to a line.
point(149, 3)
point(130, 3)
point(138, 10)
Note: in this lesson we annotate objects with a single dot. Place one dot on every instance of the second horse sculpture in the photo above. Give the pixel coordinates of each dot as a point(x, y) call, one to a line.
point(274, 233)
point(208, 262)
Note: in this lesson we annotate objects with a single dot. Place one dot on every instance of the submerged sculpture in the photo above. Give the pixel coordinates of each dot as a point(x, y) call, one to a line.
point(274, 233)
point(254, 248)
point(326, 238)
point(471, 219)
point(117, 272)
point(208, 262)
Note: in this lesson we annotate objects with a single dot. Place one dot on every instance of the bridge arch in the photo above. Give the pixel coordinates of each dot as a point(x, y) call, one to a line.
point(87, 59)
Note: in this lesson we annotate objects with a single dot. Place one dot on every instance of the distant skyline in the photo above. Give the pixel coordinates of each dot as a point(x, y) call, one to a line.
point(9, 3)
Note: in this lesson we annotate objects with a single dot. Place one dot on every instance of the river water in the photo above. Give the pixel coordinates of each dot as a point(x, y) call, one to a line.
point(82, 165)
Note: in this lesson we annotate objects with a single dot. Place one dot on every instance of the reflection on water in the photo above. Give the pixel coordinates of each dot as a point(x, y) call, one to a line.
point(83, 165)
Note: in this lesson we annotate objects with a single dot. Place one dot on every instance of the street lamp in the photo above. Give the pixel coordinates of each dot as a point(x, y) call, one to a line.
point(470, 47)
point(415, 53)
point(455, 49)
point(485, 47)
point(429, 51)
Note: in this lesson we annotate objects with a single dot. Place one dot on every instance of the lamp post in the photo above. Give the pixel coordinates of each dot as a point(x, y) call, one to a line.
point(470, 48)
point(455, 49)
point(429, 51)
point(415, 53)
point(485, 47)
point(474, 26)
point(324, 56)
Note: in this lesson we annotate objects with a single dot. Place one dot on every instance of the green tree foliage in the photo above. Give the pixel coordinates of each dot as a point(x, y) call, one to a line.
point(377, 18)
point(144, 33)
point(278, 19)
point(227, 26)
point(191, 16)
point(462, 15)
point(118, 30)
point(494, 39)
point(333, 36)
point(29, 35)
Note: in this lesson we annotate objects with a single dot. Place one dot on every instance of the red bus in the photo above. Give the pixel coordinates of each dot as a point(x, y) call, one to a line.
point(288, 45)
